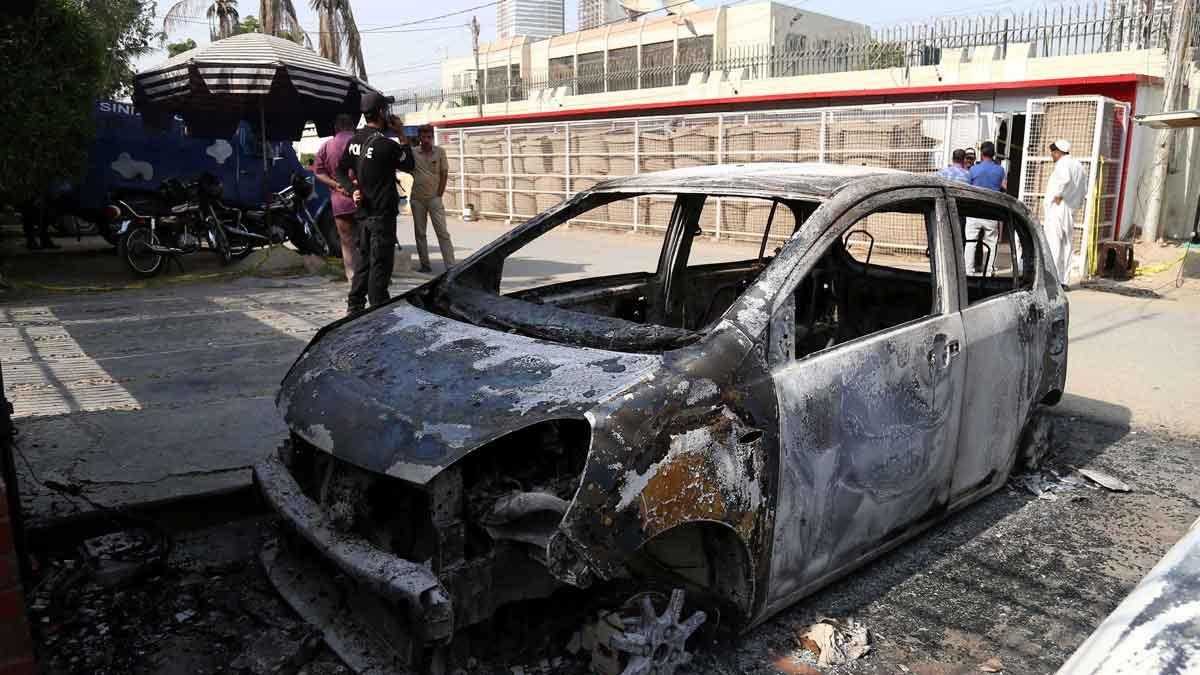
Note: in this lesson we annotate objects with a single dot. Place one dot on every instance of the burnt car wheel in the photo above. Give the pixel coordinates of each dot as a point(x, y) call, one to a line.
point(1037, 440)
point(640, 639)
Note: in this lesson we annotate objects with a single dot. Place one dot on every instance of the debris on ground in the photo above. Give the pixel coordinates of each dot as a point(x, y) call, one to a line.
point(992, 665)
point(1105, 480)
point(835, 642)
point(279, 652)
point(793, 666)
point(120, 557)
point(1048, 484)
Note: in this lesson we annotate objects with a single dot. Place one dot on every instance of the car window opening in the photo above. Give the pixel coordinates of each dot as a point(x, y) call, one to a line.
point(878, 275)
point(648, 304)
point(1009, 266)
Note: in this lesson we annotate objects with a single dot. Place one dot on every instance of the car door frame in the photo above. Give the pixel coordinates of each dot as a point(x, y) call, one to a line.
point(792, 539)
point(1015, 319)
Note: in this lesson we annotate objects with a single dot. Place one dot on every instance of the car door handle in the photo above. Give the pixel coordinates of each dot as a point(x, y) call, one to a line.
point(949, 350)
point(1034, 315)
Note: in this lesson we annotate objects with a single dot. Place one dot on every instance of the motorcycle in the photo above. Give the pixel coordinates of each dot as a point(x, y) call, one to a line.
point(288, 215)
point(184, 218)
point(181, 218)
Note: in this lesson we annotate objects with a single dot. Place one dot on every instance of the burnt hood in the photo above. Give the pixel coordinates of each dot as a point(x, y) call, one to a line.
point(405, 392)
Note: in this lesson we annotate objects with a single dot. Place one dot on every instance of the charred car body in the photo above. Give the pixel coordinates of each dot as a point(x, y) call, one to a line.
point(746, 430)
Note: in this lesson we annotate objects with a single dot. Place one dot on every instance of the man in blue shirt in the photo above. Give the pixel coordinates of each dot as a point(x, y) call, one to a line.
point(955, 171)
point(989, 175)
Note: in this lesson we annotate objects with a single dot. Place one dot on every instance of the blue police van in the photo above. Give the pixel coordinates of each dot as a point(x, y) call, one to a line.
point(126, 156)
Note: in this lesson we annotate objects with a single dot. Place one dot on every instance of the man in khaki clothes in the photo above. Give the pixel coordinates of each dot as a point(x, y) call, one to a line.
point(429, 182)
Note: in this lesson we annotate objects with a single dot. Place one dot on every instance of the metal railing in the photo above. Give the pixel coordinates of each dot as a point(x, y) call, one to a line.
point(513, 172)
point(1059, 30)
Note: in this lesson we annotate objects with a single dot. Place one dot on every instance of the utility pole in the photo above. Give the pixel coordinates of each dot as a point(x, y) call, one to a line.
point(478, 73)
point(1177, 66)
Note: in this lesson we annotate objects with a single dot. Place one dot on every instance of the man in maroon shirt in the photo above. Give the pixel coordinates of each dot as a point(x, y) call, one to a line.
point(341, 202)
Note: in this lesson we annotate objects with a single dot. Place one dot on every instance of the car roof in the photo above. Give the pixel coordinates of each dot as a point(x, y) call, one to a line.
point(779, 179)
point(817, 180)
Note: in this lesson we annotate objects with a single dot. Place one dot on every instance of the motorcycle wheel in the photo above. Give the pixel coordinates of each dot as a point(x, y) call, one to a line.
point(134, 249)
point(328, 229)
point(312, 242)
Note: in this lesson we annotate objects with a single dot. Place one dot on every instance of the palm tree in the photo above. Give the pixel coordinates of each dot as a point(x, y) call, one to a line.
point(279, 18)
point(337, 29)
point(222, 16)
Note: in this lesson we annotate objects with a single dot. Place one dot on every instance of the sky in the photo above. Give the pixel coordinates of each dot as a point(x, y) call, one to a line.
point(401, 55)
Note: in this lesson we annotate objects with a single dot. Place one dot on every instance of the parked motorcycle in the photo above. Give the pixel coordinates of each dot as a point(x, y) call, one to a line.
point(184, 218)
point(287, 212)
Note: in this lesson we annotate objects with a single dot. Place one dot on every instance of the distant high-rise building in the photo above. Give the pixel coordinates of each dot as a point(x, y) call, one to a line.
point(594, 13)
point(533, 18)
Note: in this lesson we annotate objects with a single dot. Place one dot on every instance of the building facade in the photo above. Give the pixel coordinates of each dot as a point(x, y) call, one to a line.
point(594, 13)
point(530, 18)
point(1026, 77)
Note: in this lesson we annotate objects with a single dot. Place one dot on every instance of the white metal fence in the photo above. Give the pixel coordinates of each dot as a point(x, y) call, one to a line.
point(513, 172)
point(1097, 128)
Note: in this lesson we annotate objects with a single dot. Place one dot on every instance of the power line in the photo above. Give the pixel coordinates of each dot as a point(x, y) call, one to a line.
point(200, 21)
point(435, 18)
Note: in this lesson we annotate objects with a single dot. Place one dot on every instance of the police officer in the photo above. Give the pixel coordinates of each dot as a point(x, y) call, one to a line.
point(371, 160)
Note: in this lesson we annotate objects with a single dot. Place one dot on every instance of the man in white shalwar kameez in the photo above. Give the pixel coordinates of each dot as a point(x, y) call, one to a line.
point(1065, 192)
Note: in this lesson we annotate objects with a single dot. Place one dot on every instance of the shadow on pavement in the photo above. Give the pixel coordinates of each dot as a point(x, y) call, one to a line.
point(144, 396)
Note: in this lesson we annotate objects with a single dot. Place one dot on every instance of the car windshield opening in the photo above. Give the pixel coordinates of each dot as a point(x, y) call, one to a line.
point(626, 272)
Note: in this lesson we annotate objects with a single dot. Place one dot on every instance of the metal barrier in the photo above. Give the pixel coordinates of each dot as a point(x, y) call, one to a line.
point(1096, 127)
point(512, 172)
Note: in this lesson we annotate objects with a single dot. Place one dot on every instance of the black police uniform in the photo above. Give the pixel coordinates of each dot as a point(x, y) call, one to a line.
point(374, 158)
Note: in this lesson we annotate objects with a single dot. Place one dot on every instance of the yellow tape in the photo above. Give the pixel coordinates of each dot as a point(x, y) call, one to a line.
point(145, 283)
point(1161, 267)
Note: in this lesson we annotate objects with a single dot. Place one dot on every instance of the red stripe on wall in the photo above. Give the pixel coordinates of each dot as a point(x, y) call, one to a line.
point(1088, 85)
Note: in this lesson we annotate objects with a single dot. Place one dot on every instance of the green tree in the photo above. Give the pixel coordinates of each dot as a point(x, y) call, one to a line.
point(222, 16)
point(279, 18)
point(52, 62)
point(338, 30)
point(249, 24)
point(126, 29)
point(177, 48)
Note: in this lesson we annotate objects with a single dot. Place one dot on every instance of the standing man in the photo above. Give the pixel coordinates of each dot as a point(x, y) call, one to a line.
point(429, 183)
point(989, 175)
point(374, 159)
point(1065, 192)
point(341, 201)
point(35, 220)
point(955, 171)
point(969, 158)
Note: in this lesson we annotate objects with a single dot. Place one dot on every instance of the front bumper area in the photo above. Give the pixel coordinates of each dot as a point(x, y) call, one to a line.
point(411, 587)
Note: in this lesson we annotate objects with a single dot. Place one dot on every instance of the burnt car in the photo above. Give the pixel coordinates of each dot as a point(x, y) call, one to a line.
point(745, 430)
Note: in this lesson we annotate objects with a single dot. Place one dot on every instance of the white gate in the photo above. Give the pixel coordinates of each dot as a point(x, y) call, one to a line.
point(512, 172)
point(1096, 127)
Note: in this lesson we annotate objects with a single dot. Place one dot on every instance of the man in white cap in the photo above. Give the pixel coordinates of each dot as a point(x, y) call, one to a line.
point(1065, 192)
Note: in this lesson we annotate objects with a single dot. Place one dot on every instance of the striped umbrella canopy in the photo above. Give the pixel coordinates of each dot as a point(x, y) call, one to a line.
point(275, 84)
